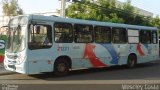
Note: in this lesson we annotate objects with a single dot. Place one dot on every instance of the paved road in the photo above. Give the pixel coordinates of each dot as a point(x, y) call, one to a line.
point(3, 71)
point(148, 73)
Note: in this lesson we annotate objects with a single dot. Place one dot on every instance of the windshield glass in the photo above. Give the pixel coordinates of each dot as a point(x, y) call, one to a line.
point(16, 35)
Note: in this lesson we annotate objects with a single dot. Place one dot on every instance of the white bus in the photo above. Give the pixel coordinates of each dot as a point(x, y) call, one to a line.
point(37, 44)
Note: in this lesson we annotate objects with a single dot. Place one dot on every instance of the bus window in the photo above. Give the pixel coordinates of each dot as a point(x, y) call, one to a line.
point(145, 36)
point(133, 36)
point(40, 36)
point(102, 34)
point(63, 33)
point(119, 35)
point(154, 37)
point(83, 33)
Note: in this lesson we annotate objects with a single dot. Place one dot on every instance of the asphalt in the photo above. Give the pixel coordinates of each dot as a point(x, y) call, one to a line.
point(3, 71)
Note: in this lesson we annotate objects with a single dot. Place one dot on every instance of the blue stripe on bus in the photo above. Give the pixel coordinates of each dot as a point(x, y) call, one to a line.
point(113, 53)
point(145, 45)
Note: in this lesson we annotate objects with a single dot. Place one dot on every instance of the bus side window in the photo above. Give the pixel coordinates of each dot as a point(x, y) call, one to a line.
point(145, 36)
point(154, 37)
point(119, 35)
point(102, 34)
point(63, 32)
point(40, 36)
point(83, 33)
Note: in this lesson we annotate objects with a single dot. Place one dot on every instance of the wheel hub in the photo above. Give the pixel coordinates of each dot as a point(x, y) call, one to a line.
point(61, 67)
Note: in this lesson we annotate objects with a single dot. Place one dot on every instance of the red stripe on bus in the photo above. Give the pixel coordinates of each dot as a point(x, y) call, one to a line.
point(89, 53)
point(139, 49)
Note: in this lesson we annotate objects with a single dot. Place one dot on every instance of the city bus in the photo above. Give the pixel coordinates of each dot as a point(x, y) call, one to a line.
point(38, 44)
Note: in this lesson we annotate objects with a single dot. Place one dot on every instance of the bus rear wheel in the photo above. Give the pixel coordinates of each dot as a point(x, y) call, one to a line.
point(61, 67)
point(132, 61)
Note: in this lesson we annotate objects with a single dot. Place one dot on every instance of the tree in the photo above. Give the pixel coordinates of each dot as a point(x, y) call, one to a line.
point(107, 11)
point(98, 10)
point(11, 8)
point(156, 22)
point(127, 12)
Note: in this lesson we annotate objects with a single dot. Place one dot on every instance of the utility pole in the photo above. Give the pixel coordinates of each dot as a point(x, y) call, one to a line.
point(63, 7)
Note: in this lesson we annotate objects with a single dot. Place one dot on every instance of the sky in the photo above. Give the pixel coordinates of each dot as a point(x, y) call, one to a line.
point(148, 5)
point(41, 6)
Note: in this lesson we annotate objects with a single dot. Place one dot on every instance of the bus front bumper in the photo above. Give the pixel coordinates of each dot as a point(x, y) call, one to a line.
point(15, 68)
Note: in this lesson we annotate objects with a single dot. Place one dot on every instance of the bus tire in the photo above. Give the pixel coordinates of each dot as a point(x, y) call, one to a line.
point(61, 67)
point(132, 61)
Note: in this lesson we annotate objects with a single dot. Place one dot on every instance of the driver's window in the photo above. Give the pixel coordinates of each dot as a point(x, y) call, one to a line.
point(40, 36)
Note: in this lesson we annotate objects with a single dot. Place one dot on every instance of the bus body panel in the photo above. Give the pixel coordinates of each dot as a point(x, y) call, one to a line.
point(40, 61)
point(84, 55)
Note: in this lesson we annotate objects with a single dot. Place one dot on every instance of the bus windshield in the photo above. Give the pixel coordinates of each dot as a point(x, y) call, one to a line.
point(16, 35)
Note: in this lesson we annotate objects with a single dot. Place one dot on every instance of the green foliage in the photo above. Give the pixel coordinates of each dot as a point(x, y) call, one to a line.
point(107, 11)
point(11, 8)
point(91, 11)
point(156, 22)
point(128, 8)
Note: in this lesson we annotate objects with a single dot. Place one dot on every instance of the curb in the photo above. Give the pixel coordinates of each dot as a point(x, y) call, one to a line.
point(7, 73)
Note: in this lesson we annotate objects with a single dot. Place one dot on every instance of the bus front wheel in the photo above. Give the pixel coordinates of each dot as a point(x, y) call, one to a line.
point(61, 67)
point(132, 61)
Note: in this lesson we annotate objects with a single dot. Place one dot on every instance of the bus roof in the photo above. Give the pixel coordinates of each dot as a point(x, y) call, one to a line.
point(88, 22)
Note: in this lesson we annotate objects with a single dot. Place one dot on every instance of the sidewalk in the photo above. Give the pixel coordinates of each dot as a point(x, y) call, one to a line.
point(3, 71)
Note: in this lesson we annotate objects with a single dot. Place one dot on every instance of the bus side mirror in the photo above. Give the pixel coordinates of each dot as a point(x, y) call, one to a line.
point(19, 27)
